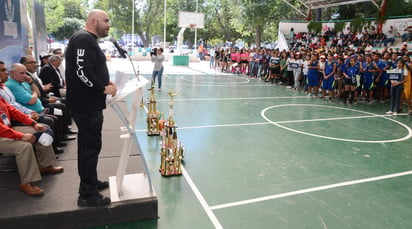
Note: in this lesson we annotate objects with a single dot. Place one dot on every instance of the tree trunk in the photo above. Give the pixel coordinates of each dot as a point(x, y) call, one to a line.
point(382, 12)
point(144, 40)
point(258, 35)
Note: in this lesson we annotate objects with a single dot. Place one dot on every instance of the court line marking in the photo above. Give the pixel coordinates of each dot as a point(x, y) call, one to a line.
point(221, 85)
point(309, 190)
point(194, 80)
point(201, 199)
point(409, 135)
point(199, 195)
point(267, 123)
point(229, 99)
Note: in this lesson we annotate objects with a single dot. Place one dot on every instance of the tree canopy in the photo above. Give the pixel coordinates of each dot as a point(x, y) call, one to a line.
point(252, 21)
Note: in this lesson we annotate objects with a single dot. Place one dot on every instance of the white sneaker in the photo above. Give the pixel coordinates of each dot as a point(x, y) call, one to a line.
point(389, 112)
point(395, 114)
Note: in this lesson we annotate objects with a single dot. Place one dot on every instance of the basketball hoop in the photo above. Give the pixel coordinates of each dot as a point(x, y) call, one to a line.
point(192, 27)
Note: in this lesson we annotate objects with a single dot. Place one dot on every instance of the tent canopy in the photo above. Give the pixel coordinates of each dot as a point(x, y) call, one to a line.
point(315, 4)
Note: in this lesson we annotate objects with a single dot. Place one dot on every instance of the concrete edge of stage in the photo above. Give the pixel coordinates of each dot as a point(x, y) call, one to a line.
point(58, 207)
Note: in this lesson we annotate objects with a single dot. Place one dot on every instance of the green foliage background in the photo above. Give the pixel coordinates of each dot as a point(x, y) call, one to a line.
point(252, 21)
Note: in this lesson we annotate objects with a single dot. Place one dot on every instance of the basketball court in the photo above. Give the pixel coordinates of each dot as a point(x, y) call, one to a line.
point(262, 156)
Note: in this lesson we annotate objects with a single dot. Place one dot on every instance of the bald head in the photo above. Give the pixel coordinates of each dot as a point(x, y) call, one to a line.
point(18, 73)
point(98, 23)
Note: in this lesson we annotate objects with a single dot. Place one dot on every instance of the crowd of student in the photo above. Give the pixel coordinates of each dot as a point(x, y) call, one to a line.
point(329, 72)
point(369, 37)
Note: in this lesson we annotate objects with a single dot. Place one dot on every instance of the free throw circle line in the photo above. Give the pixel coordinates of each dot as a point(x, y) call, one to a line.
point(409, 135)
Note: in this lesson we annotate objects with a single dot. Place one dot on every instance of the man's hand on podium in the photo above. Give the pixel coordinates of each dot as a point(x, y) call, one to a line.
point(110, 89)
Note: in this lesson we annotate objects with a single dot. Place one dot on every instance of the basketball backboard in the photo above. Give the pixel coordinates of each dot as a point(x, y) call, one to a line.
point(191, 20)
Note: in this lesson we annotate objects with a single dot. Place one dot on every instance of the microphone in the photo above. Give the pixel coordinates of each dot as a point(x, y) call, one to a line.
point(121, 51)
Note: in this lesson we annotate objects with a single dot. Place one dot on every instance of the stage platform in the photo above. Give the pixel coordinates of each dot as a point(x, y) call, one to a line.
point(58, 207)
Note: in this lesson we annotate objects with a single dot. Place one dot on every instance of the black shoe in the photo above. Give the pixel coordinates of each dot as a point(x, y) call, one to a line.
point(61, 144)
point(97, 200)
point(58, 150)
point(101, 185)
point(67, 138)
point(71, 132)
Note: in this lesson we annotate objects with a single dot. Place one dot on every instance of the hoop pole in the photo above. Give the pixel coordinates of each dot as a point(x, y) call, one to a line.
point(197, 9)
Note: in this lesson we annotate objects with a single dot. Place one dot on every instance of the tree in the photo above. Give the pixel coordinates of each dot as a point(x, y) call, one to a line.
point(219, 19)
point(261, 18)
point(148, 16)
point(57, 10)
point(70, 26)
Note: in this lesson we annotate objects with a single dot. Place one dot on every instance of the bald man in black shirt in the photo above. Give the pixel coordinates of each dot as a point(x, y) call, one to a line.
point(88, 83)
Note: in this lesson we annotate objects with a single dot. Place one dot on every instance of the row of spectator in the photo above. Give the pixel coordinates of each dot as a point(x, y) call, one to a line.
point(331, 69)
point(32, 106)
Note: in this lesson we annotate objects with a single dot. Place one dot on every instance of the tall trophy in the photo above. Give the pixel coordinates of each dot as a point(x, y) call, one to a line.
point(152, 117)
point(172, 150)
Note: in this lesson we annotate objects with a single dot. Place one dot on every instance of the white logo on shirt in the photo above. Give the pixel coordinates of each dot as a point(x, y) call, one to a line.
point(80, 72)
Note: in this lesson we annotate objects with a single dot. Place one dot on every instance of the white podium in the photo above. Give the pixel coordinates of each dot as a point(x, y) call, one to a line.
point(129, 186)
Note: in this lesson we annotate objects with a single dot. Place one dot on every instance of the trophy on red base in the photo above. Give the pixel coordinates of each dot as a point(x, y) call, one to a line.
point(172, 150)
point(152, 117)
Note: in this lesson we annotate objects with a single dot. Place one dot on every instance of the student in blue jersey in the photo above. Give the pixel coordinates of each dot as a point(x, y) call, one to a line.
point(350, 80)
point(359, 80)
point(329, 71)
point(397, 84)
point(368, 68)
point(313, 80)
point(381, 78)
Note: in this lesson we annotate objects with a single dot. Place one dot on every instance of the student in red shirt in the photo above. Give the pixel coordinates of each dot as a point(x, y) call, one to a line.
point(32, 158)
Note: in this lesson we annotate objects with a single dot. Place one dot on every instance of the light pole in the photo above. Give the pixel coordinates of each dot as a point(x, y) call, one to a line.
point(133, 26)
point(164, 29)
point(197, 8)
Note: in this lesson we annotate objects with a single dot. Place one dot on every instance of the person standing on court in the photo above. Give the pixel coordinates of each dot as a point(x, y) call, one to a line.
point(88, 84)
point(157, 58)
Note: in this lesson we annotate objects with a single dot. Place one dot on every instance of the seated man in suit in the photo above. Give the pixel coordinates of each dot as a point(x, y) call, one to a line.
point(47, 101)
point(20, 140)
point(50, 74)
point(42, 118)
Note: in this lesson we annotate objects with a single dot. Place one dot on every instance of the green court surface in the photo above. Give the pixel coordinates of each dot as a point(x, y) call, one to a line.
point(262, 156)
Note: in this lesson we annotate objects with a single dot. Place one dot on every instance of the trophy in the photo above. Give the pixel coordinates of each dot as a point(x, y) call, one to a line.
point(172, 150)
point(152, 117)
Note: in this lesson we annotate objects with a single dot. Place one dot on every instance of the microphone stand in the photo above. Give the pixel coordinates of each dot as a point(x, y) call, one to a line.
point(134, 69)
point(135, 73)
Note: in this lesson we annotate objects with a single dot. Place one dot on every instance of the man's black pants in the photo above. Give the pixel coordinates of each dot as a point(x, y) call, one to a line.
point(89, 140)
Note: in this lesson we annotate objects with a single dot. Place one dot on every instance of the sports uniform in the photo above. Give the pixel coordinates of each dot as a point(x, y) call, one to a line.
point(327, 84)
point(313, 80)
point(368, 79)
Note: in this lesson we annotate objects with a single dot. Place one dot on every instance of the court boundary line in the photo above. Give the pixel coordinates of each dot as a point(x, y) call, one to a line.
point(209, 209)
point(198, 195)
point(201, 199)
point(334, 138)
point(229, 99)
point(270, 123)
point(309, 190)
